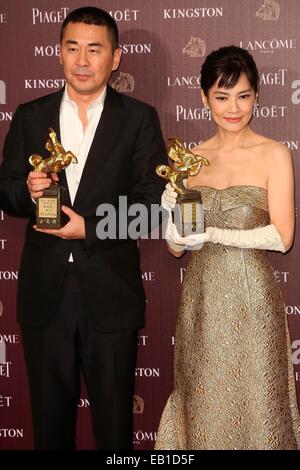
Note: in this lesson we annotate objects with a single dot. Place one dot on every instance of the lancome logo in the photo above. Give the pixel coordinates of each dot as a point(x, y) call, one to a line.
point(269, 45)
point(148, 276)
point(195, 47)
point(49, 16)
point(189, 81)
point(124, 83)
point(140, 435)
point(179, 13)
point(269, 10)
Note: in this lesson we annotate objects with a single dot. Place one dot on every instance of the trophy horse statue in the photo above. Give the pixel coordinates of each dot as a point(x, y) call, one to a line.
point(186, 164)
point(58, 160)
point(48, 206)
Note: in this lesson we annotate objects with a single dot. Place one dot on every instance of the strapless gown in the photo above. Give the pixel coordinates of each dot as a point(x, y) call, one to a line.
point(233, 374)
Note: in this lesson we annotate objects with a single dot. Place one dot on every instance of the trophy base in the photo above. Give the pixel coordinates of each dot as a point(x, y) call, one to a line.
point(190, 217)
point(48, 208)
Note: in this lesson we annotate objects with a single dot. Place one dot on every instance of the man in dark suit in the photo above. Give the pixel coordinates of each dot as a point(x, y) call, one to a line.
point(80, 297)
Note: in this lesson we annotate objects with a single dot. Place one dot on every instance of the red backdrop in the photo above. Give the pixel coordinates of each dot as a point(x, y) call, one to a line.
point(164, 43)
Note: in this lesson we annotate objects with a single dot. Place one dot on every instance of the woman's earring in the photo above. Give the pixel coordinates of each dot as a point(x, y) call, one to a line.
point(255, 108)
point(207, 113)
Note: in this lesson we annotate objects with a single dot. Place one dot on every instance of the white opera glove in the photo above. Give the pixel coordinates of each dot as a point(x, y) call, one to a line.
point(169, 197)
point(261, 238)
point(178, 243)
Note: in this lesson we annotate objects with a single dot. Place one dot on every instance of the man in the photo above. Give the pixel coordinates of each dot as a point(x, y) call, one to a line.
point(80, 297)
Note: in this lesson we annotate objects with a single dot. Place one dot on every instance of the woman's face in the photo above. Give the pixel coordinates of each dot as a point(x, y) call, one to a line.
point(231, 108)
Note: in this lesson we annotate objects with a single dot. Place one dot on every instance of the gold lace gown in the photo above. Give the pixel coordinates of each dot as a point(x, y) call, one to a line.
point(233, 375)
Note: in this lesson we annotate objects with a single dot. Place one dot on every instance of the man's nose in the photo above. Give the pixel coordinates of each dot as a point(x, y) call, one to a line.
point(82, 58)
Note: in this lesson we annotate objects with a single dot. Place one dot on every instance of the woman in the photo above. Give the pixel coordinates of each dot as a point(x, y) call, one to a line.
point(234, 382)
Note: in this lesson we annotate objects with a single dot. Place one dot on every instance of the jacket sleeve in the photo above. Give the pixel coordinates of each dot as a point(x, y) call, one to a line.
point(14, 195)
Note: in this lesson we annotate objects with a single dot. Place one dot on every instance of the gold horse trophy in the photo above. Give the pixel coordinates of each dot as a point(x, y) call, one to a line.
point(186, 164)
point(48, 206)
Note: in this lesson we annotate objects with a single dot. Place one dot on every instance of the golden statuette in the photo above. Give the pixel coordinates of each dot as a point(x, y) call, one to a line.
point(48, 206)
point(186, 164)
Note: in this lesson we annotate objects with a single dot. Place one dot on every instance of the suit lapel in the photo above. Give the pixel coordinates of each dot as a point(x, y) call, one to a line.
point(106, 135)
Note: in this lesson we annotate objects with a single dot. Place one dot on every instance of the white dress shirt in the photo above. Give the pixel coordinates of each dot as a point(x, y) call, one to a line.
point(76, 139)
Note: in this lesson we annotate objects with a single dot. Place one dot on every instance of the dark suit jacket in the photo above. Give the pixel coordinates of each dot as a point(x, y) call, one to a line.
point(127, 146)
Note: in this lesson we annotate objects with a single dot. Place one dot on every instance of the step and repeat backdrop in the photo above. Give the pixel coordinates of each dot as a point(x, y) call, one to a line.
point(164, 43)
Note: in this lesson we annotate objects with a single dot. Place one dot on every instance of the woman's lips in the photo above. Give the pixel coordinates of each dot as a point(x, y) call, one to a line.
point(233, 119)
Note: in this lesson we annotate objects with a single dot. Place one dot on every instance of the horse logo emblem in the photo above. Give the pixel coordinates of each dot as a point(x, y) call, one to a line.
point(124, 83)
point(195, 47)
point(269, 11)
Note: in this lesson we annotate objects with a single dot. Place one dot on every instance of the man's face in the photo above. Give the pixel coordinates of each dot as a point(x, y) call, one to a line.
point(87, 58)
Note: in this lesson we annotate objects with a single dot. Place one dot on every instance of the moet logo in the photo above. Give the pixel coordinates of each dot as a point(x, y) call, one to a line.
point(138, 404)
point(2, 92)
point(124, 83)
point(195, 47)
point(269, 11)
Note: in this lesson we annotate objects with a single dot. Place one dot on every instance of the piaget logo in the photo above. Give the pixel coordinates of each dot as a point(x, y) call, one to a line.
point(195, 47)
point(269, 11)
point(124, 83)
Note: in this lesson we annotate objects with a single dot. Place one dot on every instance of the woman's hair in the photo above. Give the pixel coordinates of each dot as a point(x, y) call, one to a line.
point(225, 66)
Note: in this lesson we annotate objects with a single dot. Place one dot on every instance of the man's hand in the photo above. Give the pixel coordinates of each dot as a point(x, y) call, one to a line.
point(73, 230)
point(36, 182)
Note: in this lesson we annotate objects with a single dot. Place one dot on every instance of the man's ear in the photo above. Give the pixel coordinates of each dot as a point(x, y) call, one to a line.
point(117, 58)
